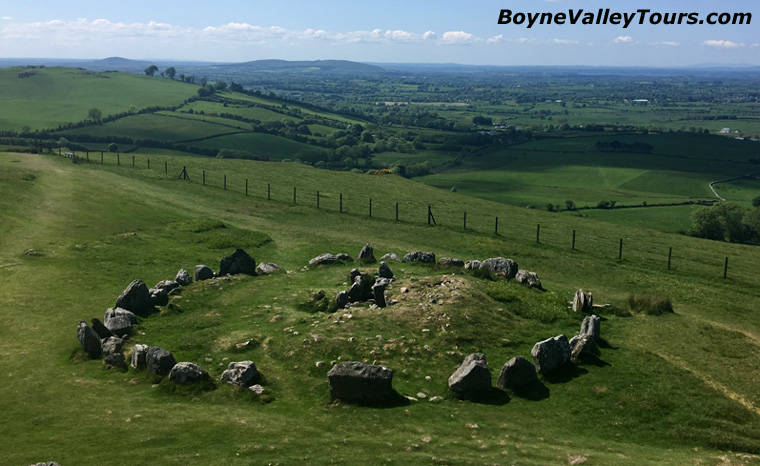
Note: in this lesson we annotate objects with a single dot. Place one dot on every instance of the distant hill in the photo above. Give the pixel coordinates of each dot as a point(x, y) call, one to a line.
point(313, 66)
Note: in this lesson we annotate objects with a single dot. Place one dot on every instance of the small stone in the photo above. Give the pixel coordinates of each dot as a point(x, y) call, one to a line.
point(257, 389)
point(421, 395)
point(203, 272)
point(390, 257)
point(435, 399)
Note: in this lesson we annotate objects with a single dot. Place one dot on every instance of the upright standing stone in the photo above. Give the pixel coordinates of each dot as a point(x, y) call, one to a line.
point(551, 354)
point(583, 302)
point(237, 262)
point(137, 360)
point(378, 290)
point(367, 254)
point(183, 278)
point(472, 377)
point(384, 271)
point(100, 329)
point(517, 373)
point(591, 325)
point(89, 340)
point(135, 298)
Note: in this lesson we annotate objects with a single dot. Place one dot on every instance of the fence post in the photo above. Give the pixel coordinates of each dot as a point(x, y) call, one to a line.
point(101, 157)
point(725, 269)
point(225, 182)
point(204, 177)
point(148, 163)
point(246, 186)
point(397, 211)
point(317, 199)
point(429, 213)
point(573, 240)
point(464, 222)
point(294, 194)
point(370, 207)
point(620, 253)
point(670, 255)
point(88, 156)
point(133, 161)
point(496, 227)
point(269, 191)
point(118, 161)
point(166, 167)
point(341, 203)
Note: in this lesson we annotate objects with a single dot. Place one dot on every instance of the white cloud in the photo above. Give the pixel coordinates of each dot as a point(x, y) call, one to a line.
point(6, 18)
point(495, 39)
point(565, 41)
point(623, 40)
point(429, 35)
point(458, 37)
point(723, 44)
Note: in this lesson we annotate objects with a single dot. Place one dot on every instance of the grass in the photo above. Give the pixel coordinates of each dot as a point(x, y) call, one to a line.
point(649, 305)
point(27, 101)
point(658, 399)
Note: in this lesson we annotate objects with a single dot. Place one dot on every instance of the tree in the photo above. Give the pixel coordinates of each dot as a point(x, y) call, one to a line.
point(95, 114)
point(756, 201)
point(113, 147)
point(705, 224)
point(170, 72)
point(720, 222)
point(151, 70)
point(751, 221)
point(570, 205)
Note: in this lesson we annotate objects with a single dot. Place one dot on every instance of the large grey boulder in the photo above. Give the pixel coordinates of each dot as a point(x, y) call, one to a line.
point(89, 340)
point(583, 346)
point(528, 278)
point(267, 268)
point(517, 373)
point(112, 345)
point(367, 254)
point(167, 285)
point(390, 257)
point(135, 298)
point(551, 354)
point(119, 312)
point(341, 299)
point(450, 262)
point(119, 325)
point(202, 272)
point(115, 360)
point(236, 263)
point(241, 373)
point(324, 259)
point(183, 278)
point(159, 296)
point(472, 265)
point(159, 361)
point(384, 271)
point(472, 378)
point(419, 256)
point(100, 329)
point(137, 360)
point(498, 267)
point(186, 373)
point(355, 381)
point(592, 325)
point(583, 302)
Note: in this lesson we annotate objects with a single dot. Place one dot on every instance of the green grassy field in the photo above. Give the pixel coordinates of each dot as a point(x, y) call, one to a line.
point(556, 170)
point(674, 389)
point(47, 97)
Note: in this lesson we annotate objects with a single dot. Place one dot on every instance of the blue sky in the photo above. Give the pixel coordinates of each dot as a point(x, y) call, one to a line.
point(423, 31)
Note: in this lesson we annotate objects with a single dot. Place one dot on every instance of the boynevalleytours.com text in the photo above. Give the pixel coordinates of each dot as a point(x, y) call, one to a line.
point(605, 16)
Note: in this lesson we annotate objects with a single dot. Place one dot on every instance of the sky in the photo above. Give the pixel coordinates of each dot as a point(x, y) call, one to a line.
point(381, 31)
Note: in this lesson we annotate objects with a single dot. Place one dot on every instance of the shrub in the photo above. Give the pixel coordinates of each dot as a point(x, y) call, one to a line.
point(649, 305)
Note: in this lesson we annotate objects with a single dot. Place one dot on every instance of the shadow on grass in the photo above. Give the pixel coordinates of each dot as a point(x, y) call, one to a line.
point(564, 374)
point(593, 360)
point(602, 343)
point(494, 397)
point(394, 400)
point(535, 391)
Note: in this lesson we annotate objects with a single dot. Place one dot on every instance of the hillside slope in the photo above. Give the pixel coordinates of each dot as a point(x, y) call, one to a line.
point(673, 389)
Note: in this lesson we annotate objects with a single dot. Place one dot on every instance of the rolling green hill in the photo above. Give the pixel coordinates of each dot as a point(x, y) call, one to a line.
point(671, 389)
point(43, 98)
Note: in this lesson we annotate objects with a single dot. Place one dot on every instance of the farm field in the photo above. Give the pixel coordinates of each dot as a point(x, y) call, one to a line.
point(670, 389)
